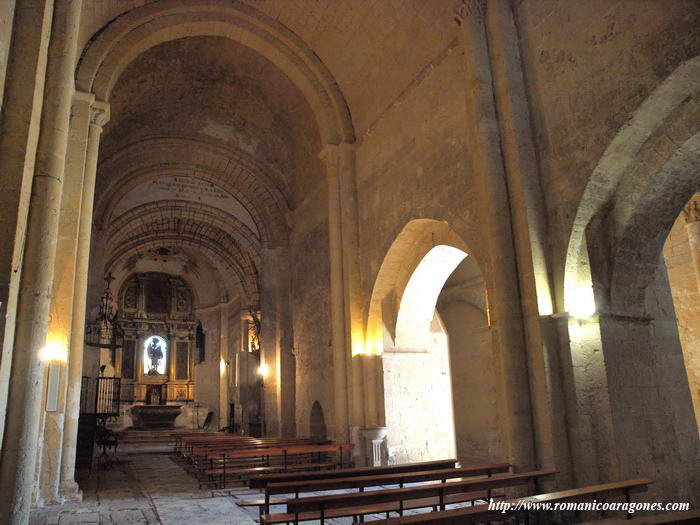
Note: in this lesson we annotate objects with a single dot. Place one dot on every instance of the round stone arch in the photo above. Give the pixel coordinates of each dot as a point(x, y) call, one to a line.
point(123, 39)
point(242, 279)
point(415, 240)
point(405, 327)
point(225, 168)
point(626, 364)
point(641, 183)
point(135, 222)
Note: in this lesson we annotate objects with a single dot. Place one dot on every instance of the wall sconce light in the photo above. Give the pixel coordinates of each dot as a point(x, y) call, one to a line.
point(582, 303)
point(54, 352)
point(263, 369)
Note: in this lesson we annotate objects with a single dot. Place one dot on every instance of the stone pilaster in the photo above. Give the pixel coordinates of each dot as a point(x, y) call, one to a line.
point(341, 353)
point(225, 364)
point(347, 331)
point(92, 115)
point(279, 382)
point(34, 301)
point(489, 172)
point(19, 118)
point(63, 288)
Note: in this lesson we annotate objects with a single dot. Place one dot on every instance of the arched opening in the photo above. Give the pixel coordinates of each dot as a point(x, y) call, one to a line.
point(626, 375)
point(317, 423)
point(681, 256)
point(440, 382)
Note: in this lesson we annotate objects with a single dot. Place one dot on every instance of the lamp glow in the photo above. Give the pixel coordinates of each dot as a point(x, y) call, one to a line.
point(582, 303)
point(54, 351)
point(263, 370)
point(368, 348)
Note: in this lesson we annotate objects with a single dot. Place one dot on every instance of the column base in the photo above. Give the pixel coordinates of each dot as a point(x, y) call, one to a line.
point(70, 492)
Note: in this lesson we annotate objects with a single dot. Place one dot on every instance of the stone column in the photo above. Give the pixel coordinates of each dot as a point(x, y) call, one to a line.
point(225, 364)
point(24, 408)
point(93, 115)
point(529, 222)
point(19, 121)
point(338, 344)
point(276, 353)
point(63, 287)
point(346, 318)
point(692, 228)
point(504, 293)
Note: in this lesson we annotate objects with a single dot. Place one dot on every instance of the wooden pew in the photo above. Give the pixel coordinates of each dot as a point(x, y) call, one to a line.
point(260, 482)
point(238, 464)
point(199, 448)
point(360, 481)
point(200, 456)
point(481, 513)
point(688, 517)
point(376, 501)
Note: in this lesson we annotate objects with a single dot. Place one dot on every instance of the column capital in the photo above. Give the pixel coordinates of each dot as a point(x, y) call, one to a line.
point(469, 8)
point(692, 209)
point(82, 96)
point(100, 113)
point(331, 153)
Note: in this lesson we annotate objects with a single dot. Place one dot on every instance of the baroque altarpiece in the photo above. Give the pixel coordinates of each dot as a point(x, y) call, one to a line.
point(156, 362)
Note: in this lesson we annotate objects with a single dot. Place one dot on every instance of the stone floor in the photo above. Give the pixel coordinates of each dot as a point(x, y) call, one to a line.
point(148, 489)
point(144, 489)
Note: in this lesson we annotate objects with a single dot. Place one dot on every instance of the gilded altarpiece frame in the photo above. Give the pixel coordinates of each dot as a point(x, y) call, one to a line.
point(156, 304)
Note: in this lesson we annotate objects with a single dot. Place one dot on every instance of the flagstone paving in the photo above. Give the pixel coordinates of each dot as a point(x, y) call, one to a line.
point(149, 489)
point(144, 489)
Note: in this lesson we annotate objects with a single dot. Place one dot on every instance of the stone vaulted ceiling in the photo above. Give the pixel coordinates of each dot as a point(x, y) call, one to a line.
point(210, 145)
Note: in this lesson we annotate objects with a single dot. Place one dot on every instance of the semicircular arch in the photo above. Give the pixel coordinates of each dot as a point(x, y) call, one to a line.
point(116, 45)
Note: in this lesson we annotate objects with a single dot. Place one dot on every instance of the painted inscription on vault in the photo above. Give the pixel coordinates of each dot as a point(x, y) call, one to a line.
point(182, 188)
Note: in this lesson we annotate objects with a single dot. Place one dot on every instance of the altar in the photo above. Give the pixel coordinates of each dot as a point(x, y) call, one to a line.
point(149, 417)
point(162, 344)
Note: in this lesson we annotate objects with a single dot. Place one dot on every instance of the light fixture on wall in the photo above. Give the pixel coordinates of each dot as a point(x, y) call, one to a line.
point(581, 304)
point(263, 370)
point(54, 351)
point(105, 331)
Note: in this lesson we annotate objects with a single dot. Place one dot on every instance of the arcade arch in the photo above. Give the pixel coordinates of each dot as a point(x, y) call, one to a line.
point(439, 373)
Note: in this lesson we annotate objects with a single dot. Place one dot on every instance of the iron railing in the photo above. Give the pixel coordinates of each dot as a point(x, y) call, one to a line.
point(100, 396)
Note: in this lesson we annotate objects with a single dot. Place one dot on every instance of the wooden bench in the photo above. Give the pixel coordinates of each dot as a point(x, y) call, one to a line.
point(238, 464)
point(687, 517)
point(187, 444)
point(481, 513)
point(370, 502)
point(194, 450)
point(260, 482)
point(360, 482)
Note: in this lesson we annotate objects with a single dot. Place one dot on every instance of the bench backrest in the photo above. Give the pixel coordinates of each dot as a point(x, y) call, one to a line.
point(262, 481)
point(286, 450)
point(210, 447)
point(481, 513)
point(396, 478)
point(441, 490)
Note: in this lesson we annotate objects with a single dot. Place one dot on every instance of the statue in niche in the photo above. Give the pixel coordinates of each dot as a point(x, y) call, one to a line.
point(155, 354)
point(130, 298)
point(181, 301)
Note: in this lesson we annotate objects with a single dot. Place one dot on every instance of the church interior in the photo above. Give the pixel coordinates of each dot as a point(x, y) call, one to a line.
point(345, 261)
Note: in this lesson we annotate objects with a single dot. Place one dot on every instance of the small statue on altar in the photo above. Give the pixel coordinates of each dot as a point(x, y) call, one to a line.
point(155, 354)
